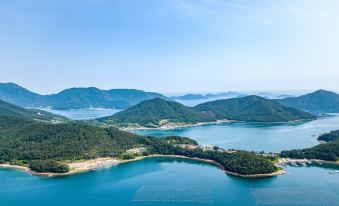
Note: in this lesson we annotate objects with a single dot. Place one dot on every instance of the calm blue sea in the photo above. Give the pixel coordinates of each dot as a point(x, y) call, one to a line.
point(168, 181)
point(255, 136)
point(84, 114)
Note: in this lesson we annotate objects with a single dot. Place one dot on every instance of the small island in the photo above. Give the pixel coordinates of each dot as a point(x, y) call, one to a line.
point(162, 114)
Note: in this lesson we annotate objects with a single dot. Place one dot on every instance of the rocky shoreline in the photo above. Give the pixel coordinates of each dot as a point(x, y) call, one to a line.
point(171, 126)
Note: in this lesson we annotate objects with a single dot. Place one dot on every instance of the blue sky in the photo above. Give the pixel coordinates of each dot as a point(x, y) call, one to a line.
point(170, 45)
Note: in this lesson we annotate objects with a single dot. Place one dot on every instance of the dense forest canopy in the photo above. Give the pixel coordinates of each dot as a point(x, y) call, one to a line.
point(252, 109)
point(150, 113)
point(13, 110)
point(327, 151)
point(240, 162)
point(31, 140)
point(318, 101)
point(329, 137)
point(44, 146)
point(155, 112)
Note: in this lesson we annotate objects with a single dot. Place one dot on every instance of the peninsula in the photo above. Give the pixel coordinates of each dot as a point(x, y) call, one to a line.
point(327, 151)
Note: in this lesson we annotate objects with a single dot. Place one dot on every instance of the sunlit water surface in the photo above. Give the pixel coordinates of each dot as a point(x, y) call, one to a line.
point(168, 181)
point(84, 114)
point(255, 136)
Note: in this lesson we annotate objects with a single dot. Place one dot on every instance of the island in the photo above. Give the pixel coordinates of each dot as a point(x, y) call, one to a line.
point(252, 109)
point(223, 95)
point(163, 114)
point(188, 97)
point(156, 113)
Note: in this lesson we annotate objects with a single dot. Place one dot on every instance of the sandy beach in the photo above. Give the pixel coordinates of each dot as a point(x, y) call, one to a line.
point(26, 169)
point(88, 165)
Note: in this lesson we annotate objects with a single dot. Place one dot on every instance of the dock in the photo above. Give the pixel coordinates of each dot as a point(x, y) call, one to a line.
point(333, 172)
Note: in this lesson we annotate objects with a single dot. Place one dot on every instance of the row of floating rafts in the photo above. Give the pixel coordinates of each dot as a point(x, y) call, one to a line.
point(294, 162)
point(299, 163)
point(101, 164)
point(332, 172)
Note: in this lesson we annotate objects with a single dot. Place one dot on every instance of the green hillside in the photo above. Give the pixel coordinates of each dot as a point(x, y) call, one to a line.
point(318, 101)
point(18, 95)
point(329, 137)
point(44, 147)
point(328, 151)
point(43, 144)
point(13, 110)
point(252, 109)
point(23, 139)
point(150, 113)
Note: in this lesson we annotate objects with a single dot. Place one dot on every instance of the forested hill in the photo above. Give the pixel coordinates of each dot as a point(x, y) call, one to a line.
point(13, 110)
point(75, 98)
point(327, 151)
point(23, 139)
point(44, 147)
point(154, 112)
point(329, 137)
point(252, 109)
point(318, 101)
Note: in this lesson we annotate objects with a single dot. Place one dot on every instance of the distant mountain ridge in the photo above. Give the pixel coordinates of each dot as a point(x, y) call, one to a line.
point(230, 94)
point(208, 96)
point(18, 95)
point(252, 109)
point(190, 97)
point(76, 98)
point(318, 101)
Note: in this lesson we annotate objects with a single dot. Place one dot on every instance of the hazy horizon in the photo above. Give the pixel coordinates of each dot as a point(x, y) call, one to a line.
point(178, 93)
point(170, 46)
